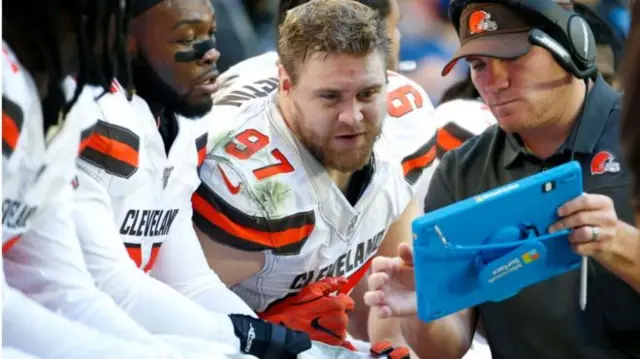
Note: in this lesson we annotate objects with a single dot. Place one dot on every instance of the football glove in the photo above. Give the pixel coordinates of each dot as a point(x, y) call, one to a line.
point(317, 311)
point(268, 340)
point(386, 350)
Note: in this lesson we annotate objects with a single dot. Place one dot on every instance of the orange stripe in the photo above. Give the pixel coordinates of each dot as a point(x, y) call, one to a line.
point(355, 278)
point(135, 253)
point(10, 132)
point(10, 243)
point(269, 239)
point(152, 258)
point(420, 162)
point(83, 144)
point(113, 148)
point(201, 155)
point(447, 141)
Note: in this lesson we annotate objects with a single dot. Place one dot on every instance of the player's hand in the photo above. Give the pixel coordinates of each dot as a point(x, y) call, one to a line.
point(392, 291)
point(268, 340)
point(317, 311)
point(386, 350)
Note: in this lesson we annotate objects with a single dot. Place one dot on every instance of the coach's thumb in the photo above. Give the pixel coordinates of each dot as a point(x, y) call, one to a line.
point(406, 254)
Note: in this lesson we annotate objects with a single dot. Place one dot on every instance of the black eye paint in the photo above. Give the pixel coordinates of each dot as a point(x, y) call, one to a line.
point(198, 50)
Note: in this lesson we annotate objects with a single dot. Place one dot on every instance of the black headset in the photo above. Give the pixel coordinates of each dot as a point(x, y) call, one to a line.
point(565, 34)
point(604, 32)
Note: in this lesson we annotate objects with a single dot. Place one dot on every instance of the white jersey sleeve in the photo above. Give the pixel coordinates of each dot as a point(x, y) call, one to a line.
point(409, 132)
point(197, 281)
point(47, 265)
point(29, 327)
point(45, 261)
point(154, 305)
point(459, 120)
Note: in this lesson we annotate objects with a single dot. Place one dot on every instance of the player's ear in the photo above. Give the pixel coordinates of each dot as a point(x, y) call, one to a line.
point(285, 80)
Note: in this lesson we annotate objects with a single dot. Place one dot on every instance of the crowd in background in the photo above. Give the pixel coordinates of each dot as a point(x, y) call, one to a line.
point(246, 28)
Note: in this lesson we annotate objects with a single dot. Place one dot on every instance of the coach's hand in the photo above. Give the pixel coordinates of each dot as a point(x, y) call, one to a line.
point(268, 340)
point(392, 291)
point(317, 311)
point(596, 228)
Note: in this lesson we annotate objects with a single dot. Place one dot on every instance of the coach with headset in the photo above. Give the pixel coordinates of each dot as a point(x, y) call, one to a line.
point(533, 63)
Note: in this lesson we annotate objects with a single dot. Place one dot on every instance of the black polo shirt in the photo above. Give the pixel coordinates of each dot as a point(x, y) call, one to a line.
point(544, 321)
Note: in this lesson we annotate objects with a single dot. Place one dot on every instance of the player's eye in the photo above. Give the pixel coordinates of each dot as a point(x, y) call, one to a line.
point(330, 97)
point(367, 95)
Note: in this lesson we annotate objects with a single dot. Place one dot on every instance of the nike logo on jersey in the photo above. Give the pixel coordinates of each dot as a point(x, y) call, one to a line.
point(346, 263)
point(233, 189)
point(16, 214)
point(148, 222)
point(315, 324)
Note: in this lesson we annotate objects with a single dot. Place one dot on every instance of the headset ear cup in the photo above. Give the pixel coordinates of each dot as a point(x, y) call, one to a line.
point(538, 37)
point(583, 42)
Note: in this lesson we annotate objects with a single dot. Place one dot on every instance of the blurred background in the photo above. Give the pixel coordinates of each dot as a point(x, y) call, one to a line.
point(246, 28)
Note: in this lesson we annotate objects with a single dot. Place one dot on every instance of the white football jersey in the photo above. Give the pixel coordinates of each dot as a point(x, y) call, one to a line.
point(459, 120)
point(147, 188)
point(143, 250)
point(46, 277)
point(36, 169)
point(263, 191)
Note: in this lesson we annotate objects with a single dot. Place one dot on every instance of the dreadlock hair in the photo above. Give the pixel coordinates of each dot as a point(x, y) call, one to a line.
point(91, 23)
point(382, 8)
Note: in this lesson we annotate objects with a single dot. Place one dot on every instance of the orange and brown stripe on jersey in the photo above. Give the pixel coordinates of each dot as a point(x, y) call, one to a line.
point(112, 148)
point(12, 121)
point(227, 225)
point(84, 138)
point(201, 147)
point(414, 164)
point(450, 137)
point(135, 253)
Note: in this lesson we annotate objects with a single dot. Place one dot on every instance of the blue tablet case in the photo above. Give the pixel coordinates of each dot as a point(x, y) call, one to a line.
point(489, 247)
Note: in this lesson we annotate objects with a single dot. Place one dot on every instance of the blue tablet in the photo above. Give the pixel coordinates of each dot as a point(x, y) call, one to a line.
point(490, 246)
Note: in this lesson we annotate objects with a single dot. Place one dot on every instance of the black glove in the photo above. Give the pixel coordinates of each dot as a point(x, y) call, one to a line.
point(267, 340)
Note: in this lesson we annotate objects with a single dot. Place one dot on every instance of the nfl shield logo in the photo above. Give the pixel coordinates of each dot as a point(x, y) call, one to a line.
point(165, 176)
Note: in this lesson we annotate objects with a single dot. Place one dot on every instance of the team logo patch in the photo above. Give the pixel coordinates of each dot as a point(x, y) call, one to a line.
point(480, 21)
point(604, 162)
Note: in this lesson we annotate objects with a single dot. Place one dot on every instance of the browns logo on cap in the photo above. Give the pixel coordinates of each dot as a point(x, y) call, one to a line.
point(480, 21)
point(493, 30)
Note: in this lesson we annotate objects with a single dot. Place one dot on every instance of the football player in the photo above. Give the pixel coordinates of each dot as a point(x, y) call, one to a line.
point(51, 307)
point(317, 170)
point(137, 173)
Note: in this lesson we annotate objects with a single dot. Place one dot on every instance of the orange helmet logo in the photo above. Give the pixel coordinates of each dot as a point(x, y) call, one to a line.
point(480, 21)
point(604, 162)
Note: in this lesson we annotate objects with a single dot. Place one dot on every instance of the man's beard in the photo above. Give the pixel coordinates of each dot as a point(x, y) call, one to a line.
point(155, 91)
point(342, 161)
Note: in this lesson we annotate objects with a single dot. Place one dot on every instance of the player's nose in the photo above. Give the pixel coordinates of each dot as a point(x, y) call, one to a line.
point(351, 114)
